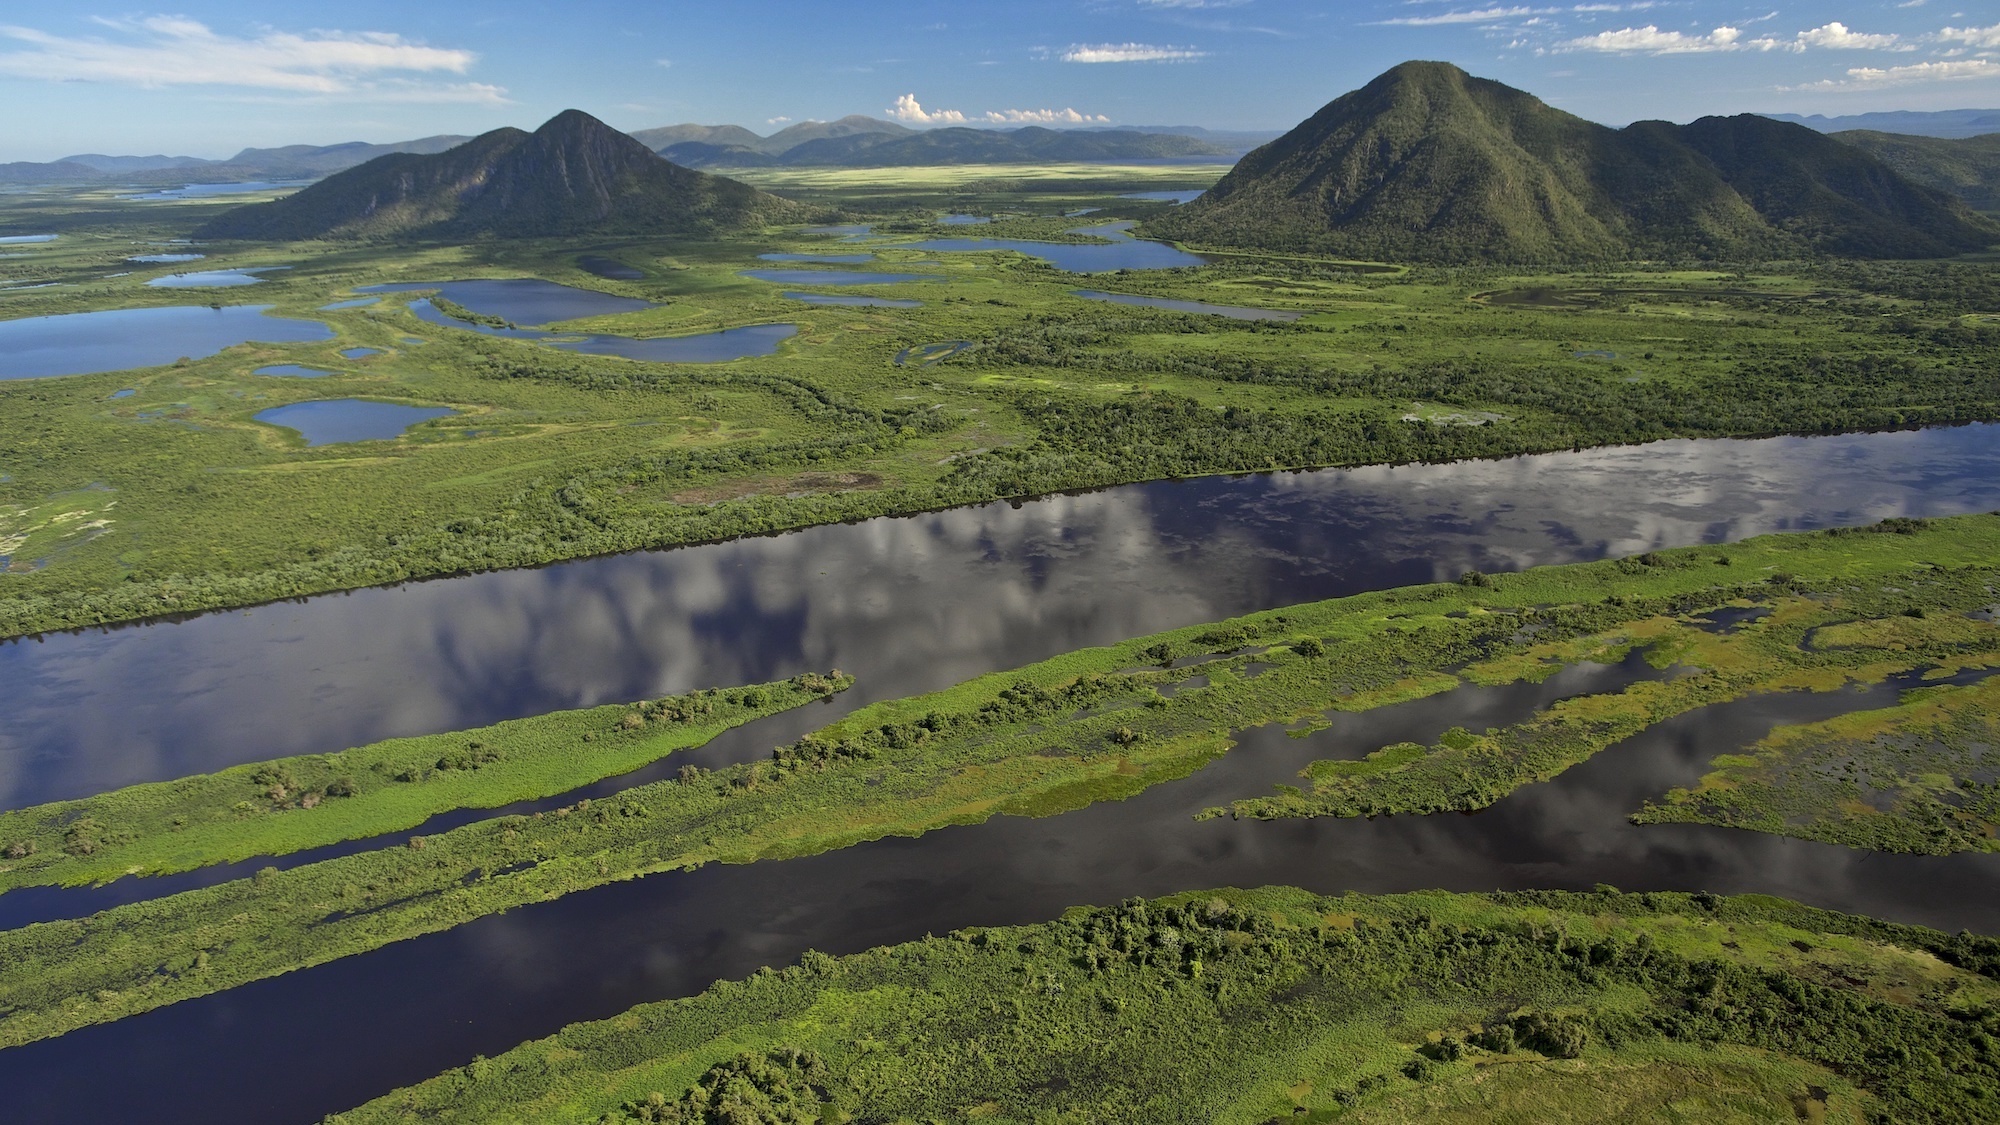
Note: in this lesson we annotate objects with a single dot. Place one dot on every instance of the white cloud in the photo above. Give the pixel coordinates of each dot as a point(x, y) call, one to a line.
point(161, 51)
point(907, 108)
point(1972, 36)
point(1838, 36)
point(1876, 78)
point(1129, 52)
point(777, 120)
point(1045, 117)
point(1652, 40)
point(1479, 15)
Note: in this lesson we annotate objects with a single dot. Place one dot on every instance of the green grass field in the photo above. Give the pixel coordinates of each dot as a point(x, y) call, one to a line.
point(173, 498)
point(1248, 1007)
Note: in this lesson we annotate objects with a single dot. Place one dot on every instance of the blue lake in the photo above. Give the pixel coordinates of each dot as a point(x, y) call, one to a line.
point(292, 371)
point(521, 300)
point(333, 421)
point(117, 339)
point(213, 279)
point(1118, 251)
point(831, 259)
point(854, 301)
point(161, 259)
point(359, 353)
point(359, 303)
point(18, 239)
point(1233, 312)
point(205, 191)
point(834, 277)
point(846, 230)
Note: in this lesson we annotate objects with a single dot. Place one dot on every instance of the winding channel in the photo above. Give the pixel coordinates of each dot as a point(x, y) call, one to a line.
point(910, 605)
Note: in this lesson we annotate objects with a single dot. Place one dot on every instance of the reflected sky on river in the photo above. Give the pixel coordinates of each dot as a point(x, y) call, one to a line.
point(908, 604)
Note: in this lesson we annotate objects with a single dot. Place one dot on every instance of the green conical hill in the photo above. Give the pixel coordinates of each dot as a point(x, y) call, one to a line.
point(574, 175)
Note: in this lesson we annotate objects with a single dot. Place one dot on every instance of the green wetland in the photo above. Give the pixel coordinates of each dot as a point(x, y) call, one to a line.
point(1311, 742)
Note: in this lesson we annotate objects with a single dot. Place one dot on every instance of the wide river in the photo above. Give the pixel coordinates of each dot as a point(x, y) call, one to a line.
point(909, 605)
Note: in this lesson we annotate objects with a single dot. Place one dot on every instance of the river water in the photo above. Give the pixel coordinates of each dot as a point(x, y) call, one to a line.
point(910, 605)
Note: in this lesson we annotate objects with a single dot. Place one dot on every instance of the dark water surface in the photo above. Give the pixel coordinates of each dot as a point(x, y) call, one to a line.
point(909, 604)
point(117, 339)
point(1119, 251)
point(852, 301)
point(520, 300)
point(406, 1012)
point(213, 279)
point(336, 420)
point(292, 371)
point(835, 277)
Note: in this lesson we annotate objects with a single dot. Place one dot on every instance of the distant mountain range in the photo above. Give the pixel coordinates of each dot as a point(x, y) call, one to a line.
point(1428, 163)
point(851, 141)
point(574, 175)
point(1935, 123)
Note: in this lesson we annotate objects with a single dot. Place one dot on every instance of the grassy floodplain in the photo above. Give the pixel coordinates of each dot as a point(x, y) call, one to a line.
point(174, 499)
point(1916, 777)
point(1098, 724)
point(1248, 1007)
point(292, 804)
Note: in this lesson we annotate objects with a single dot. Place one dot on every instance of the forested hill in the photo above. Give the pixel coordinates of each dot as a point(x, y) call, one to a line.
point(573, 175)
point(1429, 163)
point(1968, 167)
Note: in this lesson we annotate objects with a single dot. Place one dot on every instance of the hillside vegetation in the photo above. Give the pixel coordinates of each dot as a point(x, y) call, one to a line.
point(1968, 167)
point(1428, 163)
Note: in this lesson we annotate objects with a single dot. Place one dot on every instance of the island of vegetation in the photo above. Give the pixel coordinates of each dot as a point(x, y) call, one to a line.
point(1247, 1007)
point(1904, 598)
point(290, 805)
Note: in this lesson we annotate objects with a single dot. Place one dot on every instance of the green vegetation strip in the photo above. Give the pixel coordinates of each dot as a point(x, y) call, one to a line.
point(1246, 1007)
point(1922, 776)
point(1087, 726)
point(292, 804)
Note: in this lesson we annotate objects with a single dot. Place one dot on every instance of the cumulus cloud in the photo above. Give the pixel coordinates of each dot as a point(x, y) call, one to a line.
point(1972, 36)
point(1651, 40)
point(161, 51)
point(907, 109)
point(1839, 37)
point(1876, 78)
point(1129, 52)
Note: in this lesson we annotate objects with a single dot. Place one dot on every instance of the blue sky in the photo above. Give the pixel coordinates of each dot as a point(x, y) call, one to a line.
point(206, 77)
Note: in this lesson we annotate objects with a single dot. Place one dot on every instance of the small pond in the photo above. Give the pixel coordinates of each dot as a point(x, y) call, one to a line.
point(337, 420)
point(1233, 312)
point(834, 277)
point(847, 230)
point(706, 347)
point(162, 259)
point(128, 392)
point(205, 191)
point(19, 239)
point(962, 220)
point(526, 301)
point(116, 339)
point(830, 259)
point(292, 371)
point(611, 269)
point(358, 303)
point(359, 353)
point(853, 301)
point(1118, 251)
point(213, 279)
